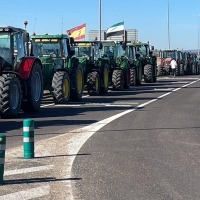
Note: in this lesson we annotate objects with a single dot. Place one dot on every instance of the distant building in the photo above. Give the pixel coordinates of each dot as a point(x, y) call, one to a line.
point(131, 35)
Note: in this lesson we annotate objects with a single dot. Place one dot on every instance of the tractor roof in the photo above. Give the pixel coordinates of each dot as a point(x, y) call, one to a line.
point(5, 28)
point(46, 36)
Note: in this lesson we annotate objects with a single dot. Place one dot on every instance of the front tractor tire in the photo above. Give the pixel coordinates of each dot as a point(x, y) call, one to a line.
point(133, 76)
point(61, 87)
point(34, 88)
point(148, 73)
point(118, 79)
point(93, 83)
point(127, 77)
point(10, 96)
point(77, 82)
point(105, 80)
point(160, 71)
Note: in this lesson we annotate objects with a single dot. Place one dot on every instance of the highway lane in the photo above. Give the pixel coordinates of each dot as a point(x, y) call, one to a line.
point(151, 153)
point(53, 120)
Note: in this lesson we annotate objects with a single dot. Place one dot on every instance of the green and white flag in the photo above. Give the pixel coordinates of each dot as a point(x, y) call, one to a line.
point(116, 29)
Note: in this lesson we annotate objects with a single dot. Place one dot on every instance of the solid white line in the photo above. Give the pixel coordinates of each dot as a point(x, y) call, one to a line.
point(47, 105)
point(78, 140)
point(27, 170)
point(117, 105)
point(27, 194)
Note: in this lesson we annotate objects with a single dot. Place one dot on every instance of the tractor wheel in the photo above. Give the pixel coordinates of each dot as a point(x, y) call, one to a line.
point(77, 82)
point(105, 76)
point(34, 87)
point(181, 70)
point(185, 70)
point(10, 96)
point(148, 73)
point(127, 77)
point(160, 71)
point(167, 71)
point(177, 70)
point(154, 74)
point(61, 87)
point(93, 83)
point(193, 70)
point(118, 79)
point(133, 76)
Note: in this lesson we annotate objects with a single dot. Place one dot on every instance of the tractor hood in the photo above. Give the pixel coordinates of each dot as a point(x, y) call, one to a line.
point(46, 59)
point(81, 59)
point(168, 59)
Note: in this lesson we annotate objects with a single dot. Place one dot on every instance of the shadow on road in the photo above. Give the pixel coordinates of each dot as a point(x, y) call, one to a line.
point(64, 155)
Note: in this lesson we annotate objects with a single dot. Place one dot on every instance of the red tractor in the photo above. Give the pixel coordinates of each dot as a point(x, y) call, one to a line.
point(166, 56)
point(21, 82)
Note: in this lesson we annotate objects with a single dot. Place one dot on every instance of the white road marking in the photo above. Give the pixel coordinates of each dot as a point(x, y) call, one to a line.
point(27, 170)
point(68, 105)
point(178, 78)
point(47, 105)
point(78, 140)
point(98, 104)
point(163, 89)
point(27, 194)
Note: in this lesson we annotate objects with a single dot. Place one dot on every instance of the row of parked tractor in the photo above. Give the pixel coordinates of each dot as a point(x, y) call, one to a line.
point(31, 64)
point(187, 62)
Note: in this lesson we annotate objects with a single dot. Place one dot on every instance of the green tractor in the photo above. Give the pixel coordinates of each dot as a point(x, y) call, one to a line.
point(136, 64)
point(148, 62)
point(96, 69)
point(62, 71)
point(119, 75)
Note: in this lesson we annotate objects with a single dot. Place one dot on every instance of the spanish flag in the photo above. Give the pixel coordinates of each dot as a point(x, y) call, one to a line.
point(78, 32)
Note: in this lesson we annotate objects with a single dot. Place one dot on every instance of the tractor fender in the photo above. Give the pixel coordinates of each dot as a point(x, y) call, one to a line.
point(26, 66)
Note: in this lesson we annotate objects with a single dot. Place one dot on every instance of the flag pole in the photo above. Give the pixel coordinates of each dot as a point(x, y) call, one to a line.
point(124, 32)
point(100, 20)
point(85, 31)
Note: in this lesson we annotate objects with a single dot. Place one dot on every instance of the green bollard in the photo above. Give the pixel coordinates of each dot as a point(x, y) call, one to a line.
point(28, 138)
point(2, 156)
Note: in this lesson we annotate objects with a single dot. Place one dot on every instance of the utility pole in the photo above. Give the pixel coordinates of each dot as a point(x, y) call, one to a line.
point(168, 24)
point(99, 20)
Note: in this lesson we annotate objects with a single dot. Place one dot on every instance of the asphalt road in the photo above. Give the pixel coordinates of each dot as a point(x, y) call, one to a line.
point(152, 153)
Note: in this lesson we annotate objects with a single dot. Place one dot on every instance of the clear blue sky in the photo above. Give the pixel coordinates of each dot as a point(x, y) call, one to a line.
point(148, 16)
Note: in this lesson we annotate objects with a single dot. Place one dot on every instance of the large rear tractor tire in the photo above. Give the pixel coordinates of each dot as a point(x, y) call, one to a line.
point(118, 79)
point(93, 83)
point(133, 76)
point(177, 70)
point(105, 80)
point(194, 70)
point(10, 96)
point(77, 82)
point(61, 87)
point(148, 73)
point(160, 71)
point(34, 86)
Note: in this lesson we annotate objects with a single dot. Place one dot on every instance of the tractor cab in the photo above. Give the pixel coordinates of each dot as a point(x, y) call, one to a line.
point(13, 47)
point(168, 55)
point(89, 50)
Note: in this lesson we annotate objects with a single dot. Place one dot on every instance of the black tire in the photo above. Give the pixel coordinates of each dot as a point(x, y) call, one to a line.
point(148, 73)
point(177, 70)
point(138, 80)
point(10, 89)
point(104, 79)
point(77, 82)
point(93, 83)
point(167, 71)
point(127, 77)
point(118, 79)
point(181, 70)
point(133, 76)
point(185, 70)
point(61, 87)
point(160, 71)
point(154, 74)
point(34, 87)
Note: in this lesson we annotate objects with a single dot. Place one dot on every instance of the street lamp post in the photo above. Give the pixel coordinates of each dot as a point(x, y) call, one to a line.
point(198, 35)
point(100, 20)
point(168, 24)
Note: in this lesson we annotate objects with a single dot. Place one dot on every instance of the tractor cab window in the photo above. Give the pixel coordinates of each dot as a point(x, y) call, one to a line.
point(47, 47)
point(96, 51)
point(130, 52)
point(5, 51)
point(120, 50)
point(65, 51)
point(109, 51)
point(142, 50)
point(168, 54)
point(83, 51)
point(19, 49)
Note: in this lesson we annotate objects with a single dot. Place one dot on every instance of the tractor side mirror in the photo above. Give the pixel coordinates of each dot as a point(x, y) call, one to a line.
point(138, 48)
point(100, 45)
point(71, 40)
point(152, 48)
